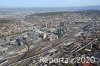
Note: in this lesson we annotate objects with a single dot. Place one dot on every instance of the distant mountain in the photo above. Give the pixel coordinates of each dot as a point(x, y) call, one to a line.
point(49, 9)
point(86, 8)
point(89, 13)
point(83, 12)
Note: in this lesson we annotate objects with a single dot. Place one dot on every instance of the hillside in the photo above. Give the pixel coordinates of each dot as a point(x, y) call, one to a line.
point(87, 14)
point(4, 22)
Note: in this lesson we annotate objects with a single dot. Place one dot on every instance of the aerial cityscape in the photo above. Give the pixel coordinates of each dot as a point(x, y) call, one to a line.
point(49, 34)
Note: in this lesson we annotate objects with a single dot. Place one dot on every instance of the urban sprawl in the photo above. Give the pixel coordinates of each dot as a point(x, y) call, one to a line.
point(54, 38)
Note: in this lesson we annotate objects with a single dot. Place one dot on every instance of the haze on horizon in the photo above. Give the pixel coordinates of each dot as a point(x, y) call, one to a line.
point(48, 3)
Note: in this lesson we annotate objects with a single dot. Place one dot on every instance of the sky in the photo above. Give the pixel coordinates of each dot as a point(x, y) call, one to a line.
point(48, 3)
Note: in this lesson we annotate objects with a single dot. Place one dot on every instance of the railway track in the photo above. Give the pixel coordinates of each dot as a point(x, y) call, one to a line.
point(37, 50)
